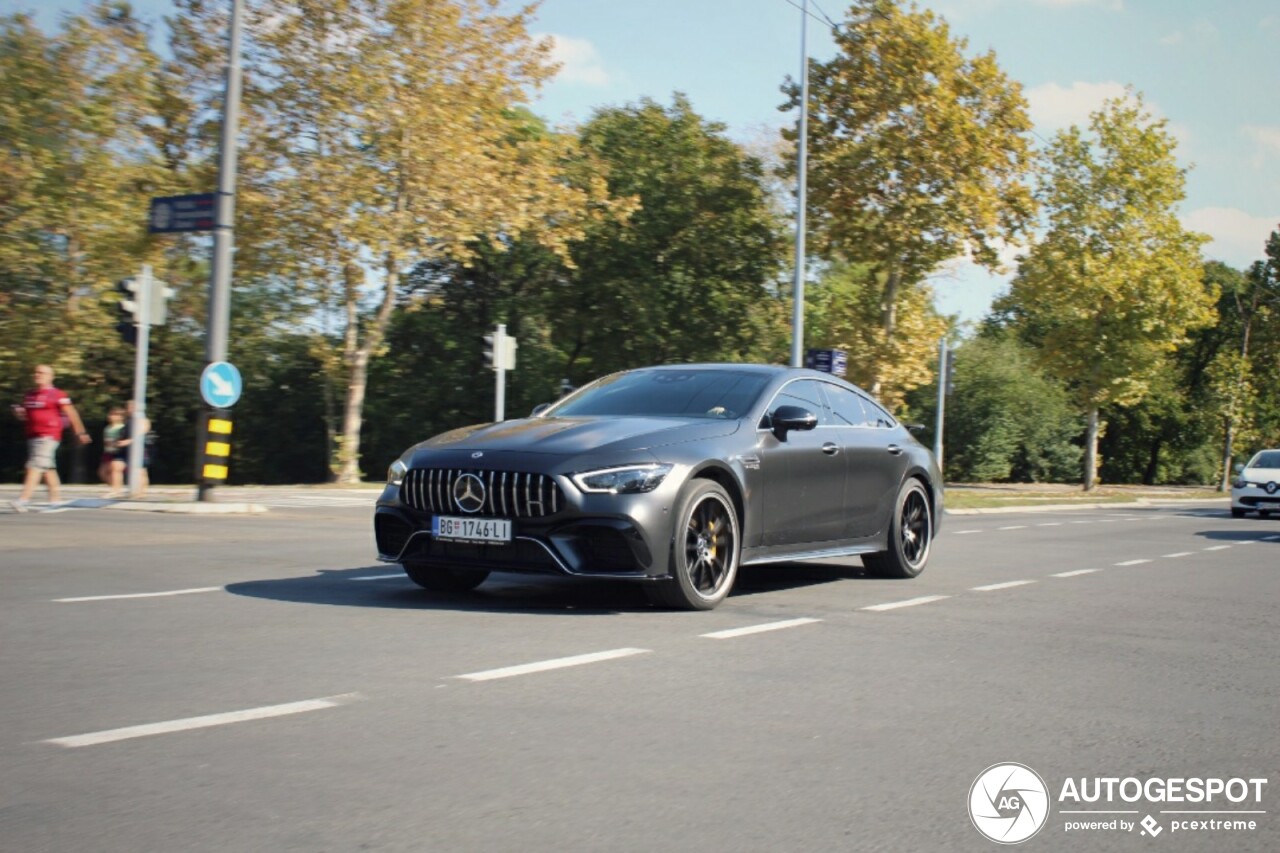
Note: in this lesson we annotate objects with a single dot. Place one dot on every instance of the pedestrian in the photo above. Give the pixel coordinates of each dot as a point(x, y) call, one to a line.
point(111, 453)
point(42, 410)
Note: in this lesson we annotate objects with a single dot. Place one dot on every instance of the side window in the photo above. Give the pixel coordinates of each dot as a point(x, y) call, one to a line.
point(805, 393)
point(846, 407)
point(877, 416)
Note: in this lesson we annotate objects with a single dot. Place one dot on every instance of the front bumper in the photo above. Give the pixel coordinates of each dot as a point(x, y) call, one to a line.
point(592, 535)
point(1252, 498)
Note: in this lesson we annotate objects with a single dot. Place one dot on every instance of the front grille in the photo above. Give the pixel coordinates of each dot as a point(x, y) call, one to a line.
point(507, 494)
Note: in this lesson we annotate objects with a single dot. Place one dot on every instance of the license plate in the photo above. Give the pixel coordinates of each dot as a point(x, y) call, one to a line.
point(459, 529)
point(1269, 504)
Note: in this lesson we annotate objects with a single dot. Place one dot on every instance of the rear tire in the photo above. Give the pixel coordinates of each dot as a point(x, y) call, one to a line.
point(910, 536)
point(704, 553)
point(440, 579)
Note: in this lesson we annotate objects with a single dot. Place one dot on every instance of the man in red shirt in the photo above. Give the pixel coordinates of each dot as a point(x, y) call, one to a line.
point(42, 410)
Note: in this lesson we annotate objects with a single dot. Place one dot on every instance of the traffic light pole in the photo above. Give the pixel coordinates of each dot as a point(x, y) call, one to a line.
point(137, 436)
point(223, 233)
point(500, 371)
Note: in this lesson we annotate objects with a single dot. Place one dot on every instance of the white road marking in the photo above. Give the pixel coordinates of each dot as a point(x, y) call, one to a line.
point(910, 602)
point(992, 587)
point(1013, 527)
point(545, 665)
point(1133, 562)
point(208, 721)
point(966, 532)
point(140, 595)
point(1178, 554)
point(1217, 548)
point(1083, 522)
point(1050, 524)
point(758, 629)
point(1076, 573)
point(1270, 539)
point(378, 577)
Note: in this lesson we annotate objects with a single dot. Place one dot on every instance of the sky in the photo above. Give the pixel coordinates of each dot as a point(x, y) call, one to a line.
point(1211, 68)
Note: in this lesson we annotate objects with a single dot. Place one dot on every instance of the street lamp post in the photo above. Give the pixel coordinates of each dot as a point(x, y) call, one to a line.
point(802, 157)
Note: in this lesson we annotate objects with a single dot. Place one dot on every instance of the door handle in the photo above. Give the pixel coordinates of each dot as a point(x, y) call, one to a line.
point(830, 449)
point(894, 449)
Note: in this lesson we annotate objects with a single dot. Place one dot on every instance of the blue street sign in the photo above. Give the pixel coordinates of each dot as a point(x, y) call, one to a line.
point(177, 214)
point(833, 361)
point(220, 385)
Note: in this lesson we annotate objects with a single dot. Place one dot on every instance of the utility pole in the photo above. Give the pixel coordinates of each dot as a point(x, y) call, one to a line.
point(943, 356)
point(797, 291)
point(137, 436)
point(224, 230)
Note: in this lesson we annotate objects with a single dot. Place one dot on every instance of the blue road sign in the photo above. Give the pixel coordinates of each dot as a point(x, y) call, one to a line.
point(177, 214)
point(220, 385)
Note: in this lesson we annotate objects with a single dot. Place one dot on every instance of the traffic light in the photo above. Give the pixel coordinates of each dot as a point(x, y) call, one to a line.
point(159, 302)
point(490, 348)
point(127, 325)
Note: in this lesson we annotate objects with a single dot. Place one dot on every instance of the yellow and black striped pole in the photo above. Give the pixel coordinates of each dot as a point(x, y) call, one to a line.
point(217, 447)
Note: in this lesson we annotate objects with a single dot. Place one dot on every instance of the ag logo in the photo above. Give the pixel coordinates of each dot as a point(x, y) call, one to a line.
point(1008, 803)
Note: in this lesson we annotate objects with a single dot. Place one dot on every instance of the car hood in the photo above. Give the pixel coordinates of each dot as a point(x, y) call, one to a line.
point(575, 436)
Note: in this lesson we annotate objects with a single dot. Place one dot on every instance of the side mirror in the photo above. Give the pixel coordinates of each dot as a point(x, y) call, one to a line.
point(1239, 468)
point(539, 409)
point(915, 428)
point(788, 418)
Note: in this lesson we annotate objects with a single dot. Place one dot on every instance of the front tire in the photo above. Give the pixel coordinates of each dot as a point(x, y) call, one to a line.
point(1237, 513)
point(705, 552)
point(440, 579)
point(910, 536)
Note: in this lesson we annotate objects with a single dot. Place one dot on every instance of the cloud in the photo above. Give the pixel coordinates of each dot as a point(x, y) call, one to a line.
point(580, 62)
point(1266, 138)
point(1055, 107)
point(1238, 238)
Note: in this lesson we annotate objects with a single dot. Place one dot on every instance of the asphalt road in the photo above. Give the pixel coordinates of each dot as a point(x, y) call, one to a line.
point(217, 683)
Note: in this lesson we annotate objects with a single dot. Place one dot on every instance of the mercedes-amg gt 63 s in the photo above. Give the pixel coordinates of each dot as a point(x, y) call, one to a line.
point(672, 476)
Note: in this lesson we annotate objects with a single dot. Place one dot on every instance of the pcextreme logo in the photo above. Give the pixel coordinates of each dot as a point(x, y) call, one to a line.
point(1009, 803)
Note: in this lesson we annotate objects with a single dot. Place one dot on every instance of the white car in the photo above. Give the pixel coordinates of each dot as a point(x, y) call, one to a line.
point(1257, 485)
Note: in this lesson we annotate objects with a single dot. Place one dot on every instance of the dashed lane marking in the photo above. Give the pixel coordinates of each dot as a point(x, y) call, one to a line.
point(1177, 555)
point(546, 665)
point(139, 595)
point(965, 532)
point(992, 587)
point(378, 577)
point(208, 721)
point(910, 602)
point(759, 629)
point(1217, 548)
point(1075, 573)
point(1013, 527)
point(1133, 562)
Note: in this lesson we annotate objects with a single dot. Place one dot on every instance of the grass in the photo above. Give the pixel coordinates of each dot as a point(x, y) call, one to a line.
point(995, 495)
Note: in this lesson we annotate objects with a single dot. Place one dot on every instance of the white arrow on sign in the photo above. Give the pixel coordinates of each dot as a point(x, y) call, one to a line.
point(221, 387)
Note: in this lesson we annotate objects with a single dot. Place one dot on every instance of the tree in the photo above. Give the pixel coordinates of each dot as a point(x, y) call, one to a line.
point(688, 275)
point(1254, 301)
point(390, 137)
point(843, 308)
point(916, 153)
point(1115, 283)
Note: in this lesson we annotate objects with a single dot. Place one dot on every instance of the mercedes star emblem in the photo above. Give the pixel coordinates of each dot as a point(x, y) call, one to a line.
point(468, 493)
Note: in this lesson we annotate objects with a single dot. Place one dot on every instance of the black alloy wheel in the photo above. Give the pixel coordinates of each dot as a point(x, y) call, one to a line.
point(910, 536)
point(705, 552)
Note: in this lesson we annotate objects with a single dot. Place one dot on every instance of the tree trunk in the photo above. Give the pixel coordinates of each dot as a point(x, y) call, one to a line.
point(888, 320)
point(1227, 451)
point(1091, 450)
point(1153, 463)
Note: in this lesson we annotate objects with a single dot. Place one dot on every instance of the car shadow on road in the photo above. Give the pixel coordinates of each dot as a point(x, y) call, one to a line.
point(1249, 533)
point(385, 587)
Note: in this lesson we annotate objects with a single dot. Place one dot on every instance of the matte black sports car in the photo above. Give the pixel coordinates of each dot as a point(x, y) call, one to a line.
point(673, 476)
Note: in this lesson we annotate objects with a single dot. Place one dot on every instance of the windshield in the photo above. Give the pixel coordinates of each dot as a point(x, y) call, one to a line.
point(1266, 459)
point(723, 394)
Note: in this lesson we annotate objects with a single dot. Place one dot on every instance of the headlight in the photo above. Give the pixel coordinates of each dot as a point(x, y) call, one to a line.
point(625, 480)
point(395, 474)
